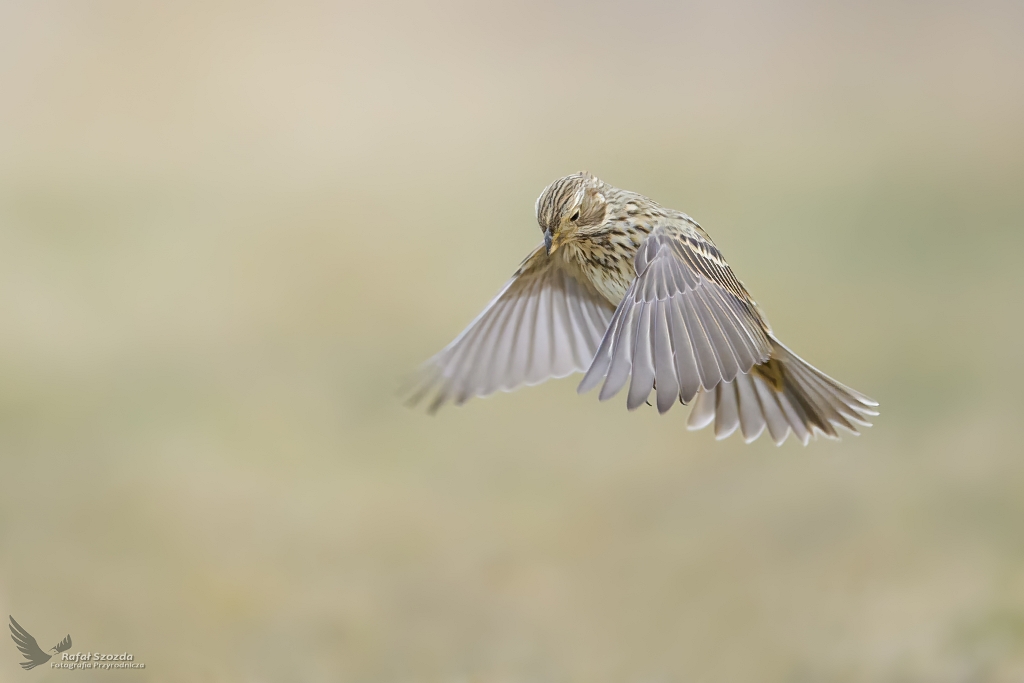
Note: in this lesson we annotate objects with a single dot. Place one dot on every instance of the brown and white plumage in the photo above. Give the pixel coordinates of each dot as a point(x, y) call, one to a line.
point(634, 293)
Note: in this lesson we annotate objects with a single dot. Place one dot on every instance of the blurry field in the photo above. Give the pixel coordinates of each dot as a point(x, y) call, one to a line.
point(228, 232)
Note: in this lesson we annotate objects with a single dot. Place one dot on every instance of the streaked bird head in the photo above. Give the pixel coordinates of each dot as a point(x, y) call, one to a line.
point(568, 205)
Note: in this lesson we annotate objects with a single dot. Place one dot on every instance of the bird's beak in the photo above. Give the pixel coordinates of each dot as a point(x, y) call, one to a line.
point(547, 241)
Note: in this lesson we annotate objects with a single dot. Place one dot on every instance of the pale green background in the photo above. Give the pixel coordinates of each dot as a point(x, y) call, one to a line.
point(227, 232)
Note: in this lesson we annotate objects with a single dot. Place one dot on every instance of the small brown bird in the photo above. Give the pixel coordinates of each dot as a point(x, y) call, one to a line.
point(628, 290)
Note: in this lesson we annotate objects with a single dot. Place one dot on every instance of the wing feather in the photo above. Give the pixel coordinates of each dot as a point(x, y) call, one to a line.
point(786, 394)
point(711, 331)
point(643, 361)
point(622, 354)
point(497, 360)
point(664, 365)
point(720, 345)
point(536, 330)
point(740, 341)
point(518, 340)
point(687, 370)
point(774, 416)
point(567, 337)
point(727, 414)
point(703, 411)
point(547, 321)
point(707, 364)
point(752, 419)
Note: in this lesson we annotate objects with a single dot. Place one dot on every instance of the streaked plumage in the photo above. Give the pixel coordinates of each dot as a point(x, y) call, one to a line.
point(636, 294)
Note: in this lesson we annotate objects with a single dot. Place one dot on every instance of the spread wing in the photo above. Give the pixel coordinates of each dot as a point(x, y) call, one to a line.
point(64, 644)
point(28, 646)
point(546, 322)
point(686, 322)
point(786, 393)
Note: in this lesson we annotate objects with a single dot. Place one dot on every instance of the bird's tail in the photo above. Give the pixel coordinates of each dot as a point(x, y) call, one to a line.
point(786, 393)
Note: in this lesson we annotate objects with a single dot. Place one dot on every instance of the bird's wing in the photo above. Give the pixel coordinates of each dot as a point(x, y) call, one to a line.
point(546, 322)
point(28, 646)
point(785, 394)
point(64, 644)
point(686, 322)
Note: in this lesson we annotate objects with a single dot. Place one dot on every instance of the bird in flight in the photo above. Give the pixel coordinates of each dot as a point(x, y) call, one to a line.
point(30, 648)
point(629, 291)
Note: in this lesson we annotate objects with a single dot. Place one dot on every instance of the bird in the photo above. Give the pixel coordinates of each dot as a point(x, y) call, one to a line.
point(30, 648)
point(629, 291)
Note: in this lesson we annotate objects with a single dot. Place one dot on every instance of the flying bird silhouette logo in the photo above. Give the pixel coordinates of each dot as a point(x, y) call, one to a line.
point(30, 648)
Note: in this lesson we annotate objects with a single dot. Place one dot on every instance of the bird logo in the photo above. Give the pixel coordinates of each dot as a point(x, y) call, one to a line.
point(30, 648)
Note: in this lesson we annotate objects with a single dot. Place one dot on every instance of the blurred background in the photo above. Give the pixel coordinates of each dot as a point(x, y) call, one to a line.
point(229, 231)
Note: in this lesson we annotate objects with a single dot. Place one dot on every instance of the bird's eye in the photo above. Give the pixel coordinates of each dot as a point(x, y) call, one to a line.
point(575, 217)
